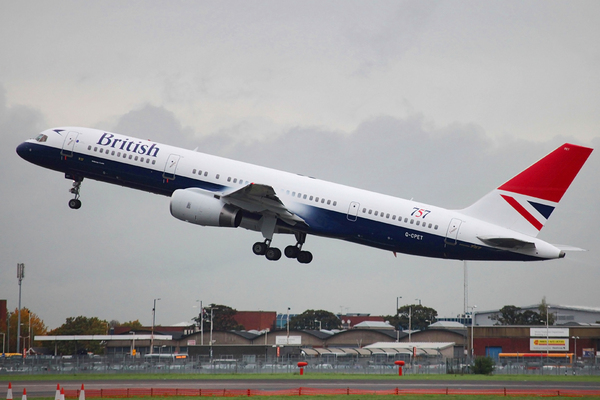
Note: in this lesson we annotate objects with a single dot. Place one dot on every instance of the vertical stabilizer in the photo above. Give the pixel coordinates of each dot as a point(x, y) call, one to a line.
point(525, 202)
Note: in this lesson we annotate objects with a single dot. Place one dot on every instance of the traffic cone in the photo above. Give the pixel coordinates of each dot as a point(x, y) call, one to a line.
point(82, 393)
point(57, 394)
point(9, 392)
point(62, 393)
point(24, 394)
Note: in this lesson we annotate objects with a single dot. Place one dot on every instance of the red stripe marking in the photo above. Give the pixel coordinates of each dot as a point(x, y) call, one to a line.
point(521, 210)
point(550, 177)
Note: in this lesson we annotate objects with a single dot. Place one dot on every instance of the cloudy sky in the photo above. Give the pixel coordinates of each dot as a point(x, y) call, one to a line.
point(436, 101)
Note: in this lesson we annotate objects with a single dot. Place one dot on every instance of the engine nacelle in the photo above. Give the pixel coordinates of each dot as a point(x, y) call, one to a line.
point(198, 207)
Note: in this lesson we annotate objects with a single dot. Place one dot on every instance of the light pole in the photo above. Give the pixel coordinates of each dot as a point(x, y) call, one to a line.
point(409, 324)
point(575, 339)
point(398, 317)
point(20, 276)
point(3, 342)
point(472, 324)
point(201, 319)
point(153, 321)
point(211, 331)
point(419, 300)
point(320, 326)
point(288, 327)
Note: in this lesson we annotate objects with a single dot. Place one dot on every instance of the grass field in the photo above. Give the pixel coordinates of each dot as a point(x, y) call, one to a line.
point(358, 397)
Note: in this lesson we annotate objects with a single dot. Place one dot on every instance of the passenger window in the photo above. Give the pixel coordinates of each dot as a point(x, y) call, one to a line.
point(141, 159)
point(435, 227)
point(370, 212)
point(394, 217)
point(147, 160)
point(124, 155)
point(130, 156)
point(328, 202)
point(418, 222)
point(335, 203)
point(234, 180)
point(194, 171)
point(112, 153)
point(299, 195)
point(101, 150)
point(405, 220)
point(429, 226)
point(310, 198)
point(376, 213)
point(316, 199)
point(206, 174)
point(364, 210)
point(412, 221)
point(304, 197)
point(323, 201)
point(229, 179)
point(153, 162)
point(387, 215)
point(218, 176)
point(89, 147)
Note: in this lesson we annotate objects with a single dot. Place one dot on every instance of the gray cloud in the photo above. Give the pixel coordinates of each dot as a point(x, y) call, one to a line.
point(432, 101)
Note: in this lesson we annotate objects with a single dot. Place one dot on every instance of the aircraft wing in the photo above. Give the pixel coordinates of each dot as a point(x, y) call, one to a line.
point(506, 242)
point(259, 198)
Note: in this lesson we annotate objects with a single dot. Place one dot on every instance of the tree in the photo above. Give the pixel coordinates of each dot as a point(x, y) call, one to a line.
point(509, 315)
point(483, 365)
point(80, 326)
point(310, 319)
point(544, 314)
point(512, 315)
point(223, 318)
point(28, 319)
point(133, 324)
point(420, 317)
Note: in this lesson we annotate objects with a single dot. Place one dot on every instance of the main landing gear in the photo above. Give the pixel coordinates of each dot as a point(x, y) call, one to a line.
point(75, 203)
point(274, 254)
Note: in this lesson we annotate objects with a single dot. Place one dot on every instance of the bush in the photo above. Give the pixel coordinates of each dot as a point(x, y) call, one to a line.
point(483, 366)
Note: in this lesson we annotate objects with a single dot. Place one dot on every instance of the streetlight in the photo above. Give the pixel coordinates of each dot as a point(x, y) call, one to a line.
point(316, 320)
point(472, 323)
point(575, 339)
point(201, 318)
point(419, 300)
point(20, 276)
point(398, 317)
point(3, 342)
point(153, 320)
point(288, 326)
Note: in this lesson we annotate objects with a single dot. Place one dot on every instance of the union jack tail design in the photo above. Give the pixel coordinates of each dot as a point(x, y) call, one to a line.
point(525, 202)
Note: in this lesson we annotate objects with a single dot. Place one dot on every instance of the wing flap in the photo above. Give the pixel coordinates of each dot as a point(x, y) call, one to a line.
point(506, 242)
point(259, 198)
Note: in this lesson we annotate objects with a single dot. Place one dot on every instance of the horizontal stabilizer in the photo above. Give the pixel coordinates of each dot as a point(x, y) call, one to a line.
point(565, 247)
point(506, 242)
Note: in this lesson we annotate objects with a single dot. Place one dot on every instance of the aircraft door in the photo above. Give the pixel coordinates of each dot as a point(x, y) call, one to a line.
point(171, 166)
point(452, 232)
point(353, 211)
point(69, 144)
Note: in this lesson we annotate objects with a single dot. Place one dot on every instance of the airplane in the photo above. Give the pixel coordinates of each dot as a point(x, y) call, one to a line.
point(213, 191)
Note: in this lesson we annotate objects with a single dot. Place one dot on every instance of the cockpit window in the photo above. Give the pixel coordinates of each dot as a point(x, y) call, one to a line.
point(41, 138)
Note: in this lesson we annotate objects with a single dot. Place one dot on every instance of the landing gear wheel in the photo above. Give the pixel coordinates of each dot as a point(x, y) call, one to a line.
point(75, 204)
point(305, 257)
point(273, 254)
point(260, 248)
point(291, 252)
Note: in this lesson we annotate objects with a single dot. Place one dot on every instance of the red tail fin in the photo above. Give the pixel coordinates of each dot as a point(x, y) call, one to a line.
point(549, 178)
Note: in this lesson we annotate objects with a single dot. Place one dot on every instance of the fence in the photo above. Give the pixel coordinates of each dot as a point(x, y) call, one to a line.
point(303, 391)
point(38, 365)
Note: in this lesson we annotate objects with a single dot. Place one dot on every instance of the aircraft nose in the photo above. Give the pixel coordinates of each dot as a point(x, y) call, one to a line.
point(24, 150)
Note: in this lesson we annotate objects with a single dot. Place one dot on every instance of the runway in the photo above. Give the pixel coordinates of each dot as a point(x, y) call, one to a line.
point(44, 388)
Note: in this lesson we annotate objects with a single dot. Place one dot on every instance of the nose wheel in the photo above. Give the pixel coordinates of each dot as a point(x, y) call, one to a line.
point(75, 203)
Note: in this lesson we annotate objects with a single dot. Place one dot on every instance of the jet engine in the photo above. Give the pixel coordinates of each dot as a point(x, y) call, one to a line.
point(202, 208)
